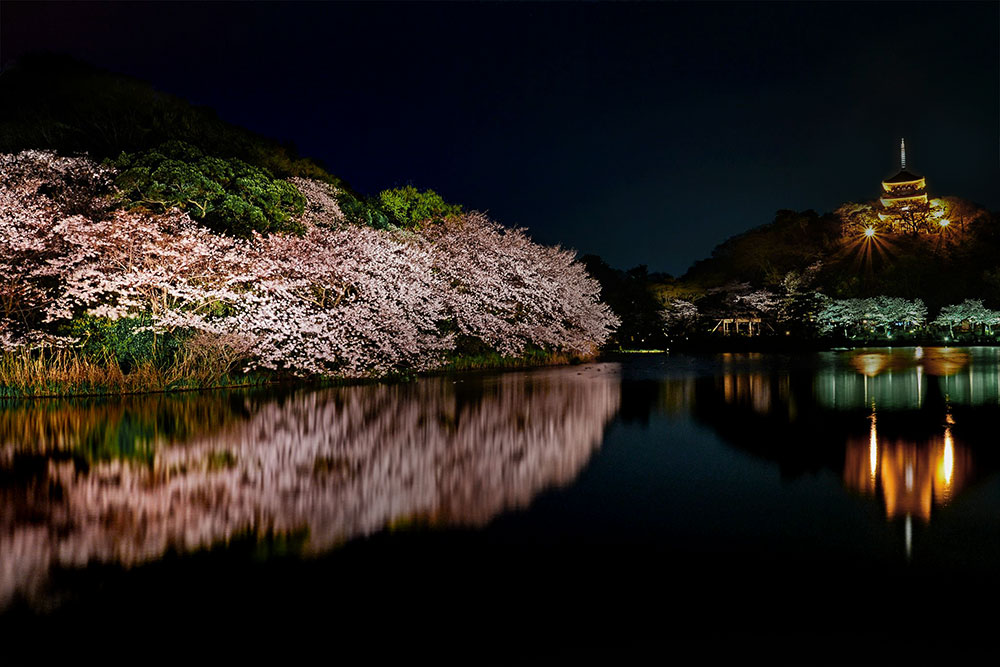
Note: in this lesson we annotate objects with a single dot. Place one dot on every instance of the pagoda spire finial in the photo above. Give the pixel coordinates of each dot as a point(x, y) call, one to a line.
point(902, 153)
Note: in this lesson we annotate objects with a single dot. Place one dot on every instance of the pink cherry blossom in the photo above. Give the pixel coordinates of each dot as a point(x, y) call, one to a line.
point(339, 300)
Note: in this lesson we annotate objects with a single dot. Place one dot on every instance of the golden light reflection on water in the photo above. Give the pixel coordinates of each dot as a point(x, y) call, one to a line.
point(911, 478)
point(124, 481)
point(934, 360)
point(870, 364)
point(753, 389)
point(892, 378)
point(873, 451)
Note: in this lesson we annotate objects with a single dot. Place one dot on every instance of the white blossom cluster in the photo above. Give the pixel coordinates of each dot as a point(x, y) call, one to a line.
point(971, 312)
point(339, 300)
point(880, 312)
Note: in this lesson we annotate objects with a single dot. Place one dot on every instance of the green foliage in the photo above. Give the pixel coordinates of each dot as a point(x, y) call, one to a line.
point(126, 437)
point(408, 207)
point(129, 341)
point(228, 195)
point(399, 208)
point(362, 211)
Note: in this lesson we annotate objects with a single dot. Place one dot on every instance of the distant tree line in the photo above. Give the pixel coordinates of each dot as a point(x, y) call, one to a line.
point(632, 296)
point(814, 315)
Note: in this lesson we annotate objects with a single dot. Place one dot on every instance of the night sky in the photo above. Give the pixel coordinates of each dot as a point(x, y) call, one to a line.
point(645, 133)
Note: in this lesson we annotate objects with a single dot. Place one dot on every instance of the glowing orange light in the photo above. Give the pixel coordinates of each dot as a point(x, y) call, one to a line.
point(870, 364)
point(948, 460)
point(873, 449)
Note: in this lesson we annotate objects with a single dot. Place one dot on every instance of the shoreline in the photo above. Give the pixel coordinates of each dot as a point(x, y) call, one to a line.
point(739, 346)
point(782, 344)
point(463, 367)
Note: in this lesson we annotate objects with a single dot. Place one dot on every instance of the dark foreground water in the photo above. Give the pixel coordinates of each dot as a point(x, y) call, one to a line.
point(841, 506)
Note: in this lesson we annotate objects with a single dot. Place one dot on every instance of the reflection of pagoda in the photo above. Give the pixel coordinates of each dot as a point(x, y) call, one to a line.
point(910, 476)
point(904, 195)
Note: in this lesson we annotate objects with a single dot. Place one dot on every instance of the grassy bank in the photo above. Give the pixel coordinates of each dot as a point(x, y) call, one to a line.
point(62, 373)
point(36, 373)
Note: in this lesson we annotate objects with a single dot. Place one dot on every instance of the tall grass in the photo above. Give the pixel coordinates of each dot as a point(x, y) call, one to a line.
point(47, 372)
point(67, 372)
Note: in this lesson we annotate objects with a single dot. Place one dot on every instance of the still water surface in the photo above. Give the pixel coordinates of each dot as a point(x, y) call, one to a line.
point(847, 494)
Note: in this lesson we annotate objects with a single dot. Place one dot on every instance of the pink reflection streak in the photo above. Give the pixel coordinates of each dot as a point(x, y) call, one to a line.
point(338, 463)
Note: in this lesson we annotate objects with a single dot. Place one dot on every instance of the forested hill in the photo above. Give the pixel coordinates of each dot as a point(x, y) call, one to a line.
point(147, 245)
point(764, 254)
point(786, 270)
point(960, 260)
point(55, 102)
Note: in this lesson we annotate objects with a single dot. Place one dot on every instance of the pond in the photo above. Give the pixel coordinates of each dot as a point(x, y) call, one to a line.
point(798, 505)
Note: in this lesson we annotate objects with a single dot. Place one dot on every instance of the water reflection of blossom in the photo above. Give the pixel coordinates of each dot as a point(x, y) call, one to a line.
point(901, 377)
point(336, 463)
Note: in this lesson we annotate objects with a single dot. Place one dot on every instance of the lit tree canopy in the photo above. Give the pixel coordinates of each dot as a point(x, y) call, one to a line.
point(840, 314)
point(760, 302)
point(679, 315)
point(882, 312)
point(409, 207)
point(857, 217)
point(888, 312)
point(971, 311)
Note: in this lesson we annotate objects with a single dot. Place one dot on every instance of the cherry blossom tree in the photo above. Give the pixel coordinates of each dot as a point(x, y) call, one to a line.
point(509, 292)
point(347, 302)
point(882, 312)
point(679, 315)
point(760, 302)
point(972, 311)
point(840, 314)
point(338, 300)
point(887, 312)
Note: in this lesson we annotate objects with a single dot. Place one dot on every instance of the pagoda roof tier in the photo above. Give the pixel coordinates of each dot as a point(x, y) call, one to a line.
point(904, 191)
point(904, 176)
point(896, 201)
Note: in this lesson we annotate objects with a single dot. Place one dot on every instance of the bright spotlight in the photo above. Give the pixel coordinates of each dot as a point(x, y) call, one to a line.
point(944, 223)
point(870, 232)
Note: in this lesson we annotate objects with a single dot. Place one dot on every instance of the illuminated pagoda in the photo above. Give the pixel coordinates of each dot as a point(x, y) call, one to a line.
point(904, 196)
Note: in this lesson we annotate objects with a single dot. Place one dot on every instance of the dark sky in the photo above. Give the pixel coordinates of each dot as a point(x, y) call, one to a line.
point(646, 133)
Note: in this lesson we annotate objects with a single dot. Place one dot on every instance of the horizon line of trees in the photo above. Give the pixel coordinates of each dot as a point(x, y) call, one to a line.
point(891, 314)
point(810, 313)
